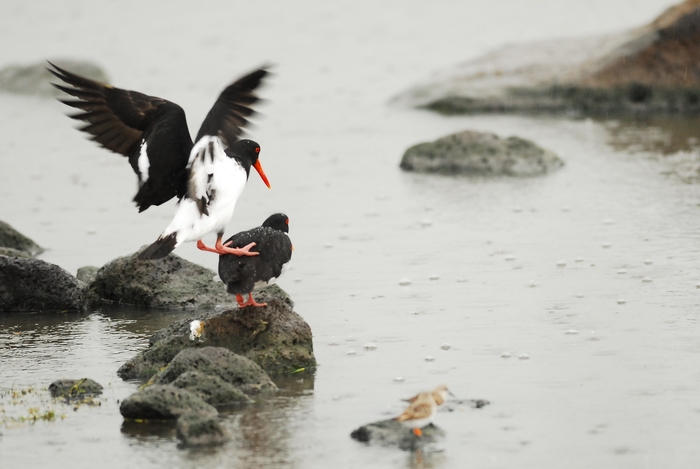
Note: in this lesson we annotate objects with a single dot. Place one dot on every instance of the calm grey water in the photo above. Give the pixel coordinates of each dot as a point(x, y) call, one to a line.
point(552, 270)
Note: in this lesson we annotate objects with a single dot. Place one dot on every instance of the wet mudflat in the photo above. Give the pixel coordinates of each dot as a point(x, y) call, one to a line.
point(568, 301)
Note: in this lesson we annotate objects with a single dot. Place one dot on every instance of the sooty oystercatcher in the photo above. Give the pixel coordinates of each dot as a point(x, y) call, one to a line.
point(208, 176)
point(421, 409)
point(242, 274)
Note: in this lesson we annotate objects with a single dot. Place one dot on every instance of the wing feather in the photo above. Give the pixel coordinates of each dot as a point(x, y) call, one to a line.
point(109, 110)
point(231, 111)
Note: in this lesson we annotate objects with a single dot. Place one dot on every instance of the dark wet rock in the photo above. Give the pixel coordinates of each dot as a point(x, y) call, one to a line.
point(200, 430)
point(170, 282)
point(164, 402)
point(273, 336)
point(480, 154)
point(211, 388)
point(87, 274)
point(11, 238)
point(75, 387)
point(392, 433)
point(651, 69)
point(220, 362)
point(34, 79)
point(35, 285)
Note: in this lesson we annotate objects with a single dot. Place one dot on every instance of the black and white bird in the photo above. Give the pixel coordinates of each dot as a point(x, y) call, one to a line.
point(242, 274)
point(207, 175)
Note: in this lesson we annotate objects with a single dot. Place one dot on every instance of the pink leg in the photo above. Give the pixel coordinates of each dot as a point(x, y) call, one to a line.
point(219, 248)
point(251, 301)
point(239, 300)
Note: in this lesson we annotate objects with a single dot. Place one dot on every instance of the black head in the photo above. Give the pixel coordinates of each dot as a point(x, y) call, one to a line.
point(247, 153)
point(278, 221)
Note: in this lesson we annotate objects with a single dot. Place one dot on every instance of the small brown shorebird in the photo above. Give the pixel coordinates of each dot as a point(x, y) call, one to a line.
point(421, 409)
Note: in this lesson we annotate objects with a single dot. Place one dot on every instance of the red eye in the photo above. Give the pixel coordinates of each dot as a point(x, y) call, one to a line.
point(257, 149)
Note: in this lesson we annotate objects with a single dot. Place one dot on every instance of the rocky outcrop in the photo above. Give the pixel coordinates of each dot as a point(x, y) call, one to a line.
point(652, 69)
point(34, 79)
point(273, 336)
point(13, 241)
point(480, 154)
point(219, 362)
point(35, 285)
point(214, 390)
point(170, 282)
point(159, 402)
point(75, 388)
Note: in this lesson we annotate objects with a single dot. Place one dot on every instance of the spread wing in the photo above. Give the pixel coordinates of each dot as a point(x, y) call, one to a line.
point(151, 131)
point(115, 118)
point(231, 111)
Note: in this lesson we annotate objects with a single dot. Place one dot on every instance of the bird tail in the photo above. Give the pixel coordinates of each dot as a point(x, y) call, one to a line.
point(163, 246)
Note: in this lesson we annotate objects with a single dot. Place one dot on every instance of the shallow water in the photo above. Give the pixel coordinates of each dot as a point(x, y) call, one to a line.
point(534, 268)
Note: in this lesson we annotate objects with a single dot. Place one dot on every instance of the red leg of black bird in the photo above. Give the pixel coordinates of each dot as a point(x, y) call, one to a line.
point(251, 301)
point(219, 248)
point(239, 300)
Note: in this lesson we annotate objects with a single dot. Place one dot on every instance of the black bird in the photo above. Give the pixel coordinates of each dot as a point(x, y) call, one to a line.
point(208, 175)
point(242, 274)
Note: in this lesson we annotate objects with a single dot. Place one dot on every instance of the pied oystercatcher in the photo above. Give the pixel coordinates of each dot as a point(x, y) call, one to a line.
point(242, 274)
point(208, 176)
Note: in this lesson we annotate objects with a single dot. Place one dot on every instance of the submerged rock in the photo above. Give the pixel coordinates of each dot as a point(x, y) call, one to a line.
point(211, 388)
point(651, 69)
point(170, 282)
point(164, 402)
point(220, 362)
point(480, 154)
point(35, 285)
point(14, 240)
point(34, 79)
point(392, 433)
point(273, 336)
point(196, 430)
point(75, 387)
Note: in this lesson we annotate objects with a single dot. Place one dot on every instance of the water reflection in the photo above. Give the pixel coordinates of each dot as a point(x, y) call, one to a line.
point(144, 432)
point(426, 460)
point(265, 429)
point(659, 134)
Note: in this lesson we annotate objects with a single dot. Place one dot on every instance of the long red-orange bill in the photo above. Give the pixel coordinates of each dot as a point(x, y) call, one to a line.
point(258, 168)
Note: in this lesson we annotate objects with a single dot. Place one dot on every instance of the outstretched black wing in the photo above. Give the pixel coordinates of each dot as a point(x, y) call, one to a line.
point(152, 132)
point(231, 111)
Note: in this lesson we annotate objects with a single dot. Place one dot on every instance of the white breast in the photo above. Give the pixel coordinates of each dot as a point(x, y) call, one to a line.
point(220, 180)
